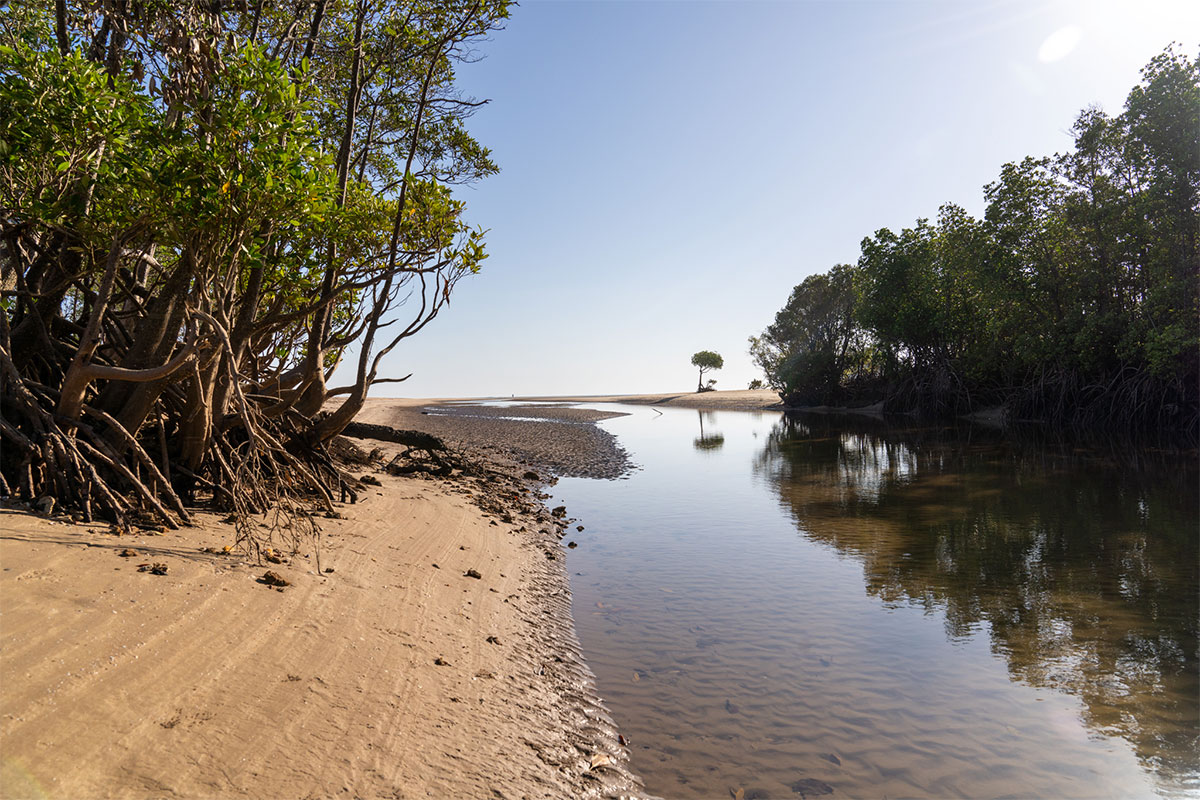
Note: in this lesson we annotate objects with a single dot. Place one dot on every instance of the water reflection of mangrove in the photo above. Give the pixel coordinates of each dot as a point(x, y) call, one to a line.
point(1084, 576)
point(710, 440)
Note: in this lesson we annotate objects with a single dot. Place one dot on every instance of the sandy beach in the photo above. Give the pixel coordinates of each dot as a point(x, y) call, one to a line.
point(432, 654)
point(731, 400)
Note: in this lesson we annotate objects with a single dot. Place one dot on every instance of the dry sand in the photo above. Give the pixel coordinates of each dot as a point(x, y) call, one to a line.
point(395, 675)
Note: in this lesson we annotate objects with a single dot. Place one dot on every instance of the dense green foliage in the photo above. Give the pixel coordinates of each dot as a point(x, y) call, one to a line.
point(1073, 300)
point(203, 209)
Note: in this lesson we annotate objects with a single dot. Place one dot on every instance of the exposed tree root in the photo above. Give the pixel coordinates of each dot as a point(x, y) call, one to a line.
point(423, 453)
point(94, 468)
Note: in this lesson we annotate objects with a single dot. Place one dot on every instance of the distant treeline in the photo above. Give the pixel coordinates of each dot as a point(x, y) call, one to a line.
point(1073, 301)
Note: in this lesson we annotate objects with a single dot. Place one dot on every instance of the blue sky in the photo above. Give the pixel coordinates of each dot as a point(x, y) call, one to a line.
point(670, 170)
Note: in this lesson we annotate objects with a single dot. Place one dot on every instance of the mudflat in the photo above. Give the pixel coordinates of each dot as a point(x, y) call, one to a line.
point(430, 653)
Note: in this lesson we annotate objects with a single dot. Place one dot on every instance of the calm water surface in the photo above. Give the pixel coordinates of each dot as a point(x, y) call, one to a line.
point(817, 606)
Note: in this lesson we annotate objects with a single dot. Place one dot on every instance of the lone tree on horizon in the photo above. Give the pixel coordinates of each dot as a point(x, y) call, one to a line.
point(706, 360)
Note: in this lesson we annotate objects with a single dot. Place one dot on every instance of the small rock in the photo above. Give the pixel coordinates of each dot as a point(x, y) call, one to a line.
point(811, 787)
point(157, 568)
point(579, 528)
point(531, 476)
point(271, 578)
point(329, 569)
point(572, 545)
point(370, 480)
point(441, 662)
point(127, 553)
point(493, 640)
point(558, 511)
point(472, 573)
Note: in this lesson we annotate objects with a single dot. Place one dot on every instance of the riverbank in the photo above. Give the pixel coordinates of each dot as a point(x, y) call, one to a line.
point(433, 654)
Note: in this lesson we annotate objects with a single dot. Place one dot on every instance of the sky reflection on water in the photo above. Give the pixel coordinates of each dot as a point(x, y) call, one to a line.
point(814, 602)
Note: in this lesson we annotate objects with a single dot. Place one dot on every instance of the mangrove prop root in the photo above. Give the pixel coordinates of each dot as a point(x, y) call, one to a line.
point(262, 470)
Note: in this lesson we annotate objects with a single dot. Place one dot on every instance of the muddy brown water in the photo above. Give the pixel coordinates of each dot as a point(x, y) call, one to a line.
point(815, 606)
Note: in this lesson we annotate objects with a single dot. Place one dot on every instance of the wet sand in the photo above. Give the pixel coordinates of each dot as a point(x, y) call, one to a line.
point(561, 440)
point(433, 654)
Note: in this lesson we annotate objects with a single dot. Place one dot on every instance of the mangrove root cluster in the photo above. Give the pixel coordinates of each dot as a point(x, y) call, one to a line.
point(207, 213)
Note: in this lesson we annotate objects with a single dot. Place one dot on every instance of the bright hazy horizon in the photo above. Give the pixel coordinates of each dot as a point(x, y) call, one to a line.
point(670, 170)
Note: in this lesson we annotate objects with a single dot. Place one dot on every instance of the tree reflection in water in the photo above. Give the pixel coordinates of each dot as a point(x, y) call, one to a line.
point(1084, 572)
point(712, 440)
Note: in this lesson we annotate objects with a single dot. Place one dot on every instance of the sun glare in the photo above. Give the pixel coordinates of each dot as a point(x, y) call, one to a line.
point(1059, 44)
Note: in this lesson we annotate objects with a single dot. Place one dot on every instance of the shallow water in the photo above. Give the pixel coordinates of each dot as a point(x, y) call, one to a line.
point(798, 607)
